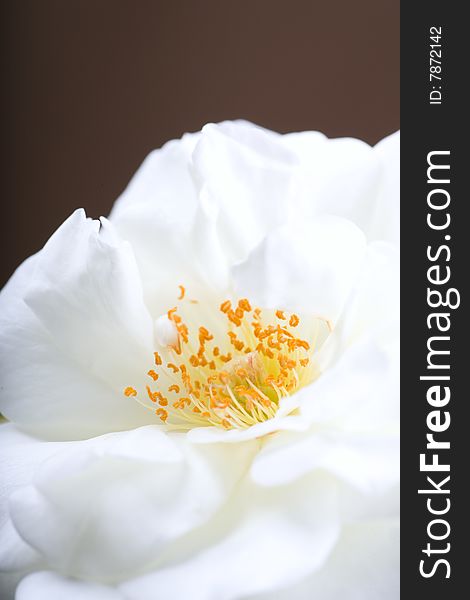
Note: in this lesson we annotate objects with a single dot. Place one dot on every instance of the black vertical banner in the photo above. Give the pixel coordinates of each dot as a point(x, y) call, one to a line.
point(435, 271)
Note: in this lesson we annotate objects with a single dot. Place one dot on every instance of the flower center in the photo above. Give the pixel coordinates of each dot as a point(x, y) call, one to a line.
point(233, 372)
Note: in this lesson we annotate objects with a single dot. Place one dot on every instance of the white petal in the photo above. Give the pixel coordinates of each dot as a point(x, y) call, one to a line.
point(163, 180)
point(74, 333)
point(15, 555)
point(19, 460)
point(253, 547)
point(158, 232)
point(110, 507)
point(356, 390)
point(163, 214)
point(386, 220)
point(372, 309)
point(309, 268)
point(357, 506)
point(368, 461)
point(338, 177)
point(363, 566)
point(353, 411)
point(20, 457)
point(178, 210)
point(45, 585)
point(206, 435)
point(165, 332)
point(8, 584)
point(348, 178)
point(248, 174)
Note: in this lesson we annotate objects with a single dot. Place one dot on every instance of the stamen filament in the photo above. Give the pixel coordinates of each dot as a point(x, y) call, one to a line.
point(223, 377)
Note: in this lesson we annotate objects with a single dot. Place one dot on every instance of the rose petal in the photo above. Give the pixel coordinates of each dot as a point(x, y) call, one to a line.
point(18, 464)
point(207, 435)
point(155, 214)
point(348, 178)
point(363, 566)
point(357, 390)
point(74, 334)
point(109, 507)
point(253, 547)
point(163, 180)
point(308, 268)
point(248, 175)
point(368, 461)
point(386, 218)
point(373, 307)
point(337, 177)
point(45, 585)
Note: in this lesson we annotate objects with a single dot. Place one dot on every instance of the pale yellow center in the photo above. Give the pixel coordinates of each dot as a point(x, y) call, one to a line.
point(233, 375)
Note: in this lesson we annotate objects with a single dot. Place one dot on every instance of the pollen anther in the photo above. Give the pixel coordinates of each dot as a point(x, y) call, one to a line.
point(228, 377)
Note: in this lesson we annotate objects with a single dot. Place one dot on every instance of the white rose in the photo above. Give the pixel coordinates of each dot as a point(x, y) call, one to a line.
point(263, 463)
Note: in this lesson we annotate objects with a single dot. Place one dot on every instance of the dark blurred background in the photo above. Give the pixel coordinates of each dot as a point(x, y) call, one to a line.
point(91, 86)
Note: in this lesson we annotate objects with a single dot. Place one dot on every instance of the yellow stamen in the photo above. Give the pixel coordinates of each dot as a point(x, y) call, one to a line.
point(231, 375)
point(162, 413)
point(294, 321)
point(152, 374)
point(152, 395)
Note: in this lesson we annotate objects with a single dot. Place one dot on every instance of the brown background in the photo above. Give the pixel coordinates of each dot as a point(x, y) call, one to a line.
point(91, 86)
